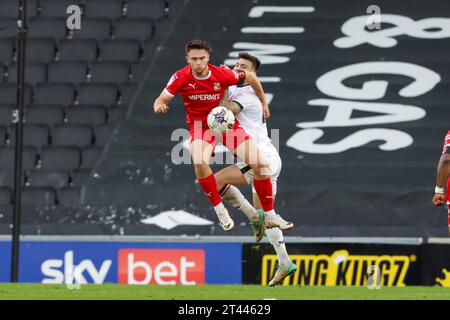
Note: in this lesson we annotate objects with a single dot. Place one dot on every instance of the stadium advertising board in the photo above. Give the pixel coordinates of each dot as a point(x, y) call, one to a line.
point(351, 265)
point(125, 263)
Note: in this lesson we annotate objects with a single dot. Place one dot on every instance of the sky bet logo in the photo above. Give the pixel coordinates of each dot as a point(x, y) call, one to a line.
point(135, 266)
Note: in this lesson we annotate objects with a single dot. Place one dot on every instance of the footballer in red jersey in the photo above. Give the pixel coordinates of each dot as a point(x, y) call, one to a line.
point(202, 87)
point(442, 190)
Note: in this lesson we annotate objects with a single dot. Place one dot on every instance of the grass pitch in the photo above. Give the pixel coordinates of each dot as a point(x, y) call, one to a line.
point(215, 292)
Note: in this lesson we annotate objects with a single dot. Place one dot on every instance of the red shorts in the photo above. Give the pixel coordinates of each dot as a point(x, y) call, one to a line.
point(231, 139)
point(447, 196)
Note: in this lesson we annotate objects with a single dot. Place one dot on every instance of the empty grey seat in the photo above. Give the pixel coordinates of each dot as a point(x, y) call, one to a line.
point(110, 9)
point(6, 115)
point(102, 134)
point(2, 136)
point(45, 178)
point(54, 93)
point(5, 196)
point(110, 71)
point(93, 28)
point(34, 73)
point(6, 50)
point(60, 158)
point(43, 50)
point(140, 29)
point(79, 135)
point(44, 114)
point(8, 94)
point(138, 70)
point(79, 177)
point(56, 8)
point(7, 156)
point(154, 9)
point(10, 8)
point(54, 28)
point(69, 196)
point(7, 178)
point(90, 156)
point(97, 93)
point(35, 135)
point(120, 50)
point(38, 196)
point(78, 50)
point(67, 71)
point(93, 115)
point(115, 113)
point(127, 92)
point(8, 27)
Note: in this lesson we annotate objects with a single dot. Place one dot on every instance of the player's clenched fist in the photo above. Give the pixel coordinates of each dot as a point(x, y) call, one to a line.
point(162, 108)
point(439, 199)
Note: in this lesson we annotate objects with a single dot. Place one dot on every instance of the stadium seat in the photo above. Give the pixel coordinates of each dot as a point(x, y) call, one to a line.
point(8, 94)
point(35, 135)
point(115, 113)
point(10, 8)
point(93, 115)
point(56, 8)
point(138, 70)
point(5, 196)
point(97, 93)
point(34, 73)
point(54, 93)
point(90, 156)
point(7, 156)
point(69, 196)
point(93, 28)
point(60, 158)
point(6, 115)
point(44, 114)
point(6, 50)
point(111, 9)
point(8, 28)
point(110, 71)
point(2, 136)
point(140, 29)
point(79, 135)
point(102, 134)
point(38, 196)
point(79, 177)
point(7, 178)
point(54, 28)
point(119, 50)
point(43, 50)
point(67, 71)
point(127, 92)
point(77, 50)
point(154, 9)
point(44, 178)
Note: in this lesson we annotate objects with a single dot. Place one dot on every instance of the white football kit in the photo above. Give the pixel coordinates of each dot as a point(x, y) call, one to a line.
point(251, 119)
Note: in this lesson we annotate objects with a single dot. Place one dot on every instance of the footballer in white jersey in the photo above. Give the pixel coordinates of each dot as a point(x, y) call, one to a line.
point(244, 103)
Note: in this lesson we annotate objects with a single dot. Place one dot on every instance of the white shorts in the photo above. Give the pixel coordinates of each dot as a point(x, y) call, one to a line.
point(274, 162)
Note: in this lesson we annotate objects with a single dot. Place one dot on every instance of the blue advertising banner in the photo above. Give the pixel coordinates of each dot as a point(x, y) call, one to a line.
point(125, 262)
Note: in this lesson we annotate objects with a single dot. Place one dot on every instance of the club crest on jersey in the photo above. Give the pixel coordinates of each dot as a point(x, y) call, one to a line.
point(216, 86)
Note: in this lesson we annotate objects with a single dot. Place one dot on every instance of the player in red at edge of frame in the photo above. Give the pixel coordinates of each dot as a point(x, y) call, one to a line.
point(202, 86)
point(442, 196)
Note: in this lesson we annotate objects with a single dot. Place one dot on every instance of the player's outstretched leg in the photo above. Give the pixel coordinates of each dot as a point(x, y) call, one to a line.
point(201, 153)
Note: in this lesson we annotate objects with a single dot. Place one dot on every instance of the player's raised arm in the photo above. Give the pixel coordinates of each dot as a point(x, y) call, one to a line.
point(161, 104)
point(254, 82)
point(231, 105)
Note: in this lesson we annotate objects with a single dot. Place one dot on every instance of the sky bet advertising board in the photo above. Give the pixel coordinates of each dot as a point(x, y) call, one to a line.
point(124, 263)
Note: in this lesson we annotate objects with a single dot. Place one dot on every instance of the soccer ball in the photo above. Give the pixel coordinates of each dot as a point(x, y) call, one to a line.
point(221, 119)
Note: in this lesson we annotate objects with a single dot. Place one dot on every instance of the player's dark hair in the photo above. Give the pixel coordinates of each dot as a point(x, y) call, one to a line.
point(197, 44)
point(247, 56)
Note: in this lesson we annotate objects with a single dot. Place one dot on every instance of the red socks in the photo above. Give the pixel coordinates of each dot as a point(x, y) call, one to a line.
point(209, 186)
point(264, 190)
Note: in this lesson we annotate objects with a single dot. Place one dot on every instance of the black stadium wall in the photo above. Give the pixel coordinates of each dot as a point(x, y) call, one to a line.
point(359, 115)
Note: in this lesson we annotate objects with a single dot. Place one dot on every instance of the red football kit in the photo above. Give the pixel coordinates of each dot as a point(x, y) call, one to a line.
point(447, 189)
point(200, 96)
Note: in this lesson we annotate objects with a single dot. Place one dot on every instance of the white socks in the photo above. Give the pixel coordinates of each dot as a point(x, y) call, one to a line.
point(275, 237)
point(219, 208)
point(234, 197)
